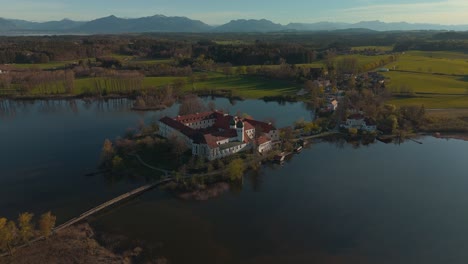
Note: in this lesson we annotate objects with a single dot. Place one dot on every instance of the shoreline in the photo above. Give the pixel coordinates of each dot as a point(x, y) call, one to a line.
point(450, 135)
point(75, 244)
point(63, 97)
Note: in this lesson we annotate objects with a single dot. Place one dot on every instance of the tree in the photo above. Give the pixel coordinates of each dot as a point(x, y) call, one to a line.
point(209, 168)
point(8, 234)
point(46, 224)
point(391, 122)
point(193, 79)
point(117, 162)
point(228, 70)
point(26, 227)
point(235, 169)
point(178, 85)
point(212, 105)
point(107, 151)
point(352, 131)
point(347, 66)
point(241, 70)
point(178, 146)
point(286, 134)
point(191, 104)
point(312, 127)
point(316, 93)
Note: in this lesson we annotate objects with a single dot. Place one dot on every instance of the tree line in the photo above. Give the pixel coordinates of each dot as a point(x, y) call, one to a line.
point(24, 229)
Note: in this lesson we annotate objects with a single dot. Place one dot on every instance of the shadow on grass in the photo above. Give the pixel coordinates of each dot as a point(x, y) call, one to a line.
point(252, 83)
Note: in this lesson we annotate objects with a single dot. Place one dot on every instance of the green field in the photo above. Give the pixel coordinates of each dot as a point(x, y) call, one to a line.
point(434, 102)
point(362, 60)
point(379, 48)
point(241, 85)
point(450, 63)
point(247, 86)
point(423, 83)
point(438, 79)
point(150, 61)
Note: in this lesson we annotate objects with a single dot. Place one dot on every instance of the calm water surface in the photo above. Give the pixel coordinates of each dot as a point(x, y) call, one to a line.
point(48, 146)
point(332, 203)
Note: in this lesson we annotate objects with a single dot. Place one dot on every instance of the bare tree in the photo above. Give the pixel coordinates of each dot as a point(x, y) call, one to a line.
point(192, 104)
point(178, 146)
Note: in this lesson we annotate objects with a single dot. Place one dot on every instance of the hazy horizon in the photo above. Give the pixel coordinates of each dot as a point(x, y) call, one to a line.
point(445, 12)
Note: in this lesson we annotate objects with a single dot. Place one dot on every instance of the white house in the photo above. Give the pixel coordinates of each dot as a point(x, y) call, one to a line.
point(216, 135)
point(360, 122)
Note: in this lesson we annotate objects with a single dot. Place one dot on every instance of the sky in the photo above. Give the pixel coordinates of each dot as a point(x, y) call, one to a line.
point(216, 12)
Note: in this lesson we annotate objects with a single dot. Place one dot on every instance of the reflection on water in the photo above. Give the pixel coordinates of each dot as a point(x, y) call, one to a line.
point(333, 203)
point(64, 139)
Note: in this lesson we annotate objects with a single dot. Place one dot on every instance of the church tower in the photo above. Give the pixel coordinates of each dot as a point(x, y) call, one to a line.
point(240, 130)
point(232, 124)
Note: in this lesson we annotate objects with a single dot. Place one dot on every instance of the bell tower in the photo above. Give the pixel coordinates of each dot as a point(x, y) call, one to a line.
point(240, 130)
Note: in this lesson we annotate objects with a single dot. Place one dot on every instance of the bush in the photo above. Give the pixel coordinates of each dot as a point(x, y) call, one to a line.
point(352, 131)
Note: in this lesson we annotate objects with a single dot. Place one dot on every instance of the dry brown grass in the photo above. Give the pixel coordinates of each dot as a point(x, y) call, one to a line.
point(72, 245)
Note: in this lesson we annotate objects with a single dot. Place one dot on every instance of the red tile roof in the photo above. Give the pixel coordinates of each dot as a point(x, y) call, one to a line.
point(266, 127)
point(223, 121)
point(248, 126)
point(262, 140)
point(178, 126)
point(221, 130)
point(195, 117)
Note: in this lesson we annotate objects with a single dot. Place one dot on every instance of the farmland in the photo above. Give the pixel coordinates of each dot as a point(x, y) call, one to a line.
point(434, 79)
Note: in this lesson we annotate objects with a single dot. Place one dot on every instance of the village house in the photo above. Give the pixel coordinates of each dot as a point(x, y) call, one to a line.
point(359, 121)
point(215, 135)
point(332, 104)
point(322, 83)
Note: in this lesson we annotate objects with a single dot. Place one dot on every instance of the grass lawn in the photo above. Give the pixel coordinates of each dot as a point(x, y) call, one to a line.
point(244, 86)
point(449, 90)
point(149, 61)
point(160, 81)
point(434, 102)
point(432, 91)
point(463, 113)
point(247, 86)
point(423, 83)
point(432, 62)
point(362, 60)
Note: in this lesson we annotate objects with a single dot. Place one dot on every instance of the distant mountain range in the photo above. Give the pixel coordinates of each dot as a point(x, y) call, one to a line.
point(161, 23)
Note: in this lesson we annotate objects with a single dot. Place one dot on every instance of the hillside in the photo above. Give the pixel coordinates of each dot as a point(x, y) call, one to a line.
point(160, 23)
point(250, 25)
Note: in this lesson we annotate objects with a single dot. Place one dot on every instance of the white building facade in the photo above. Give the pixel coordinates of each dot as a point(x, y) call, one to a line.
point(215, 135)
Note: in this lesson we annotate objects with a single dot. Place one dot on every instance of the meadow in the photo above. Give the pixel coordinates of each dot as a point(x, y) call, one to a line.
point(239, 85)
point(436, 79)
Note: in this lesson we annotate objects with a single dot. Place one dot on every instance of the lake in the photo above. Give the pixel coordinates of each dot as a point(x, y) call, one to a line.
point(333, 203)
